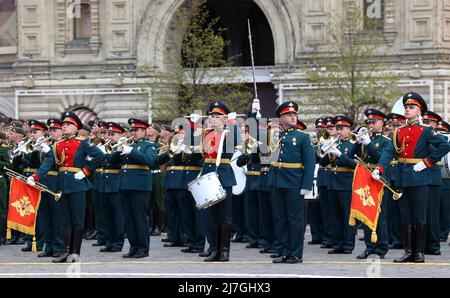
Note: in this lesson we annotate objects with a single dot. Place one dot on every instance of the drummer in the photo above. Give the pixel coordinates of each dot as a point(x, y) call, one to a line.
point(220, 118)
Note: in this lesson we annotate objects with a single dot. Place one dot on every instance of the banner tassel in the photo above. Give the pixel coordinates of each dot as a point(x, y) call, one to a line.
point(373, 237)
point(8, 234)
point(33, 245)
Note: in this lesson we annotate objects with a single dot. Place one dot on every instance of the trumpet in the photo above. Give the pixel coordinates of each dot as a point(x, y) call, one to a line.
point(122, 141)
point(327, 146)
point(10, 173)
point(23, 144)
point(39, 142)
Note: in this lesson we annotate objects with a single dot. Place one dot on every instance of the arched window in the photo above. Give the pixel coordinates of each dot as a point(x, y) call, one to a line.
point(85, 114)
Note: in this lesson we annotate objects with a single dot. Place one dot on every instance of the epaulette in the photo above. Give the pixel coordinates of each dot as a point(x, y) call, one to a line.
point(80, 138)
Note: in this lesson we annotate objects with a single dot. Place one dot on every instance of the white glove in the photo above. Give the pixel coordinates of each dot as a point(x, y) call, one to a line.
point(102, 149)
point(335, 151)
point(45, 148)
point(305, 192)
point(23, 149)
point(420, 166)
point(232, 116)
point(256, 106)
point(79, 175)
point(376, 174)
point(126, 150)
point(194, 117)
point(30, 181)
point(365, 139)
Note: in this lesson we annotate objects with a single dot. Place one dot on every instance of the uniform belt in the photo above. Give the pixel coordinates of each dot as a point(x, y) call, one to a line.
point(155, 171)
point(30, 170)
point(409, 160)
point(341, 169)
point(69, 169)
point(181, 168)
point(213, 160)
point(135, 167)
point(287, 165)
point(265, 169)
point(52, 173)
point(252, 173)
point(107, 171)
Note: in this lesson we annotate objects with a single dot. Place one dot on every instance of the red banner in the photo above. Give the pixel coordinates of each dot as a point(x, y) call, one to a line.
point(366, 200)
point(23, 207)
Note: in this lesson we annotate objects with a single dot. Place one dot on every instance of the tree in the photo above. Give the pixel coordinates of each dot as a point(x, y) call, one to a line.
point(350, 74)
point(200, 73)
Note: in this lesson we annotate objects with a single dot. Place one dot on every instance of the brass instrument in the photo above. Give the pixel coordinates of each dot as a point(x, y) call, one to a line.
point(329, 144)
point(322, 137)
point(122, 141)
point(40, 141)
point(10, 173)
point(353, 138)
point(23, 144)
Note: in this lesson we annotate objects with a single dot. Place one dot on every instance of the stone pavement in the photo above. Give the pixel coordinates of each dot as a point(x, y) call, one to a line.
point(170, 262)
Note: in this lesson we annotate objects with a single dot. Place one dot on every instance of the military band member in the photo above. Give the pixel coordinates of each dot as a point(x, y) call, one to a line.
point(50, 210)
point(432, 242)
point(157, 213)
point(340, 160)
point(394, 218)
point(411, 144)
point(291, 178)
point(135, 185)
point(16, 137)
point(220, 212)
point(444, 210)
point(75, 160)
point(372, 145)
point(108, 190)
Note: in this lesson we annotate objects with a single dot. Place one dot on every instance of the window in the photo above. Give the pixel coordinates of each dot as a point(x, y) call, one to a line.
point(82, 22)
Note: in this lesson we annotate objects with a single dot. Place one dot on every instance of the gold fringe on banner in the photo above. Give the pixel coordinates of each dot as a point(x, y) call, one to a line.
point(33, 245)
point(8, 234)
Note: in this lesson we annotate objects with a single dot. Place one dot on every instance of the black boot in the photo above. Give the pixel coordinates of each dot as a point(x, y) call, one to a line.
point(77, 238)
point(215, 252)
point(421, 231)
point(67, 239)
point(225, 245)
point(407, 243)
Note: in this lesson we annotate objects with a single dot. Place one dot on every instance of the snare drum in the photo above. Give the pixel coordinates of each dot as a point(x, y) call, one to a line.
point(207, 190)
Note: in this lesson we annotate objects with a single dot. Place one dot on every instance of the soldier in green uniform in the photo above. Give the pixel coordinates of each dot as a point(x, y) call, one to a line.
point(371, 147)
point(291, 178)
point(340, 158)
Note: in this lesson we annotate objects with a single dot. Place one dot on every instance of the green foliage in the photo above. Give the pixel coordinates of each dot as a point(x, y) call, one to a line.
point(350, 71)
point(200, 74)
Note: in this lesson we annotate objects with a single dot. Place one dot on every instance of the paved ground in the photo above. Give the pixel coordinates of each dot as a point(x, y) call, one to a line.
point(170, 262)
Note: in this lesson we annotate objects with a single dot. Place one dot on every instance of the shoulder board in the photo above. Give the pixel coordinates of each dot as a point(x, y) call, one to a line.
point(4, 146)
point(80, 138)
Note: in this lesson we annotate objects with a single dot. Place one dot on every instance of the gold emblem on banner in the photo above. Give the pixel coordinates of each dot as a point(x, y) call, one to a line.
point(365, 196)
point(23, 206)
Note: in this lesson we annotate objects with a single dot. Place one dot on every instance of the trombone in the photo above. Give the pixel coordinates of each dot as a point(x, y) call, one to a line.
point(10, 173)
point(396, 194)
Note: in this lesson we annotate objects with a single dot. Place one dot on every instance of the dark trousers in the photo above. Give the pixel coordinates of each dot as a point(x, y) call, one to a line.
point(290, 222)
point(325, 214)
point(414, 205)
point(444, 213)
point(381, 246)
point(343, 234)
point(113, 219)
point(252, 217)
point(135, 205)
point(394, 220)
point(315, 219)
point(204, 223)
point(99, 216)
point(265, 215)
point(221, 221)
point(238, 215)
point(432, 242)
point(174, 208)
point(74, 206)
point(51, 222)
point(189, 221)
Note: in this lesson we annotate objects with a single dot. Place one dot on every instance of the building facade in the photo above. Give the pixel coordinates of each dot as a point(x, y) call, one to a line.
point(96, 56)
